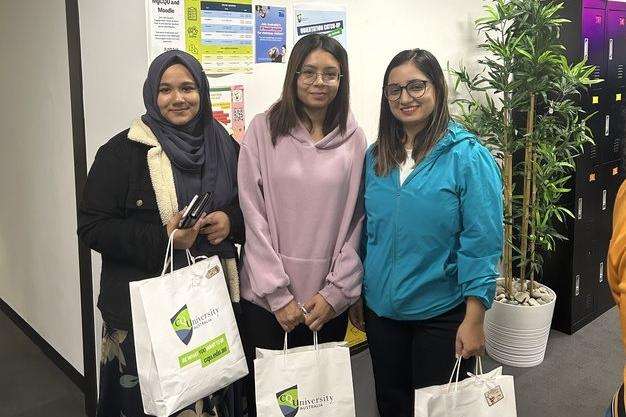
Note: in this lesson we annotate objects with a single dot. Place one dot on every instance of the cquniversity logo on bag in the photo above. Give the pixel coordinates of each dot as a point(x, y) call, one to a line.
point(182, 325)
point(288, 401)
point(290, 404)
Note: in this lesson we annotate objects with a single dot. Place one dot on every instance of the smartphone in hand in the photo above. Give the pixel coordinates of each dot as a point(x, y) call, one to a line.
point(194, 210)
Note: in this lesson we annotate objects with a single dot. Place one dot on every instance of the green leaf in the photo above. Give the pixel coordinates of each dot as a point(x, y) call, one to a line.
point(524, 53)
point(567, 211)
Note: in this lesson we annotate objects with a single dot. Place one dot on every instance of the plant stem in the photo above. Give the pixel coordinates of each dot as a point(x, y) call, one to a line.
point(508, 206)
point(533, 204)
point(508, 191)
point(528, 159)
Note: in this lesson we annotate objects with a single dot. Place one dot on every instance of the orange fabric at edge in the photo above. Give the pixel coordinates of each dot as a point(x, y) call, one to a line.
point(617, 260)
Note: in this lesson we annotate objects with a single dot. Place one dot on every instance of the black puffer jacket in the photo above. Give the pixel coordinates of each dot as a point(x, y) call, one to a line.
point(119, 217)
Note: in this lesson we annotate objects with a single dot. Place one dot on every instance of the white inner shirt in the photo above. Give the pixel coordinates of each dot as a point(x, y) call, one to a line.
point(407, 167)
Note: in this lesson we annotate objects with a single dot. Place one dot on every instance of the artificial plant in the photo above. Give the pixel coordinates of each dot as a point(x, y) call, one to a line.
point(524, 104)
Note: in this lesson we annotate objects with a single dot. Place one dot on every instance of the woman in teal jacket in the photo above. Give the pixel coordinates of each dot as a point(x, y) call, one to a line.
point(433, 239)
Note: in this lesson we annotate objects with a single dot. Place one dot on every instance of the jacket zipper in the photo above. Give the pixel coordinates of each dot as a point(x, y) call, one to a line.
point(394, 252)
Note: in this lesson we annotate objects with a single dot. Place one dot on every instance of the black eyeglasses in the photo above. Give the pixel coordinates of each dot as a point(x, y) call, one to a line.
point(414, 88)
point(309, 76)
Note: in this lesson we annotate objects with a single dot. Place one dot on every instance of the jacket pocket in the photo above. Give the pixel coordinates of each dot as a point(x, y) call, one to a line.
point(141, 205)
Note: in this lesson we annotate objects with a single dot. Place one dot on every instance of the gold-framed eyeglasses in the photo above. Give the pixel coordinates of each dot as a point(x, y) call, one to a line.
point(414, 88)
point(308, 76)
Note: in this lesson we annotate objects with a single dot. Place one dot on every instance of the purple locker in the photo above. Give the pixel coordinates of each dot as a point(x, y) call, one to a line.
point(616, 47)
point(598, 4)
point(594, 26)
point(614, 5)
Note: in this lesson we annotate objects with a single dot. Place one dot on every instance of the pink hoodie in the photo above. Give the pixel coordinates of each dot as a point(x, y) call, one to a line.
point(303, 207)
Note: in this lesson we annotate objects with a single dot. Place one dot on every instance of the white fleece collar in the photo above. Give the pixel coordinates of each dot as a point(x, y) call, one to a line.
point(160, 169)
point(140, 132)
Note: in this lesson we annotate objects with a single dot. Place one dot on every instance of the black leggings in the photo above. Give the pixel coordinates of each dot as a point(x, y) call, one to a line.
point(407, 355)
point(259, 328)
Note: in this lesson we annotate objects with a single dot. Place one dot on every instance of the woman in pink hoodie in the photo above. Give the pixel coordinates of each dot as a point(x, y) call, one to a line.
point(299, 177)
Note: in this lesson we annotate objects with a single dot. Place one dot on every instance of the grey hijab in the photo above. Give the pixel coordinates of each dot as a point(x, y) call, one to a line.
point(191, 147)
point(202, 153)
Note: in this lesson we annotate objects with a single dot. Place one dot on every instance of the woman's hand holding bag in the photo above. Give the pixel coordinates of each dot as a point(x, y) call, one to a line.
point(470, 337)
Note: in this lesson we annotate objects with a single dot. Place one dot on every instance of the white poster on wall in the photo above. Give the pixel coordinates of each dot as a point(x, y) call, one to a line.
point(166, 25)
point(320, 18)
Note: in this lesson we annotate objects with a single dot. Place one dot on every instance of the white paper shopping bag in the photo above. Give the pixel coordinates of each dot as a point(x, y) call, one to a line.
point(310, 381)
point(186, 338)
point(482, 395)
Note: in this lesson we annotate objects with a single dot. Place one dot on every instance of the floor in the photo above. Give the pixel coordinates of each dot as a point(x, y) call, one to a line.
point(577, 378)
point(579, 375)
point(30, 384)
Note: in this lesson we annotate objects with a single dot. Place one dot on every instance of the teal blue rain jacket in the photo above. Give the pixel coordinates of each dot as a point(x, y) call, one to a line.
point(436, 239)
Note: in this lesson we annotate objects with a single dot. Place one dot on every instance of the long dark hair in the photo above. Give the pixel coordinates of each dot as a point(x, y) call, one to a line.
point(284, 114)
point(389, 149)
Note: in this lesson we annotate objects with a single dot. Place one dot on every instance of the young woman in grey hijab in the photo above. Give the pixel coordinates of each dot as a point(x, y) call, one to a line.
point(137, 187)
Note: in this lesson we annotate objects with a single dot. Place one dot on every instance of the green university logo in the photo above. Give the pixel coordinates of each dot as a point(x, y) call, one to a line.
point(182, 325)
point(288, 401)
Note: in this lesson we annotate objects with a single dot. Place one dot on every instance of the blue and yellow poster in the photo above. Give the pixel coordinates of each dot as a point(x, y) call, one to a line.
point(218, 33)
point(271, 33)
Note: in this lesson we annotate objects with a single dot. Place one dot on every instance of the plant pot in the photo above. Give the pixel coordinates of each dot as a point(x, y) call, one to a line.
point(517, 335)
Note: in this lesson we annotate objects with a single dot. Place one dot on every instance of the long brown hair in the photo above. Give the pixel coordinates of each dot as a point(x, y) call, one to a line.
point(284, 114)
point(389, 149)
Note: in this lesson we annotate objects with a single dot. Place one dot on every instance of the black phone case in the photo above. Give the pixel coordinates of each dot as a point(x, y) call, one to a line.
point(195, 211)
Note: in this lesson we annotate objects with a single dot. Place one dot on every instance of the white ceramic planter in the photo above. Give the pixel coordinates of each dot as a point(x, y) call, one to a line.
point(518, 335)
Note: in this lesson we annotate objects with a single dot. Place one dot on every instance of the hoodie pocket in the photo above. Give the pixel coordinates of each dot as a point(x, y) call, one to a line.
point(307, 276)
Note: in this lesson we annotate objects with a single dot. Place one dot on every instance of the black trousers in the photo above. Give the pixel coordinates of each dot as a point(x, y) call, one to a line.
point(407, 355)
point(259, 328)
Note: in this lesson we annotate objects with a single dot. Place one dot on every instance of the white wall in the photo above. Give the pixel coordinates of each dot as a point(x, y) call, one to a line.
point(39, 275)
point(115, 56)
point(115, 59)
